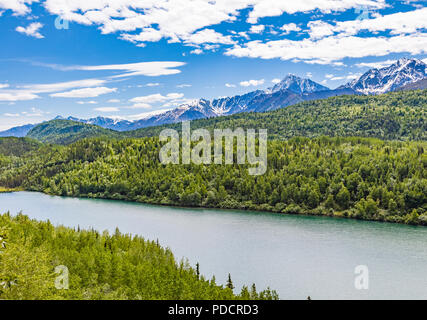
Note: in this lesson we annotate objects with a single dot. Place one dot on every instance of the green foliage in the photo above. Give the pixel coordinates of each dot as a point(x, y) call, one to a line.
point(353, 177)
point(101, 266)
point(67, 131)
point(392, 116)
point(12, 146)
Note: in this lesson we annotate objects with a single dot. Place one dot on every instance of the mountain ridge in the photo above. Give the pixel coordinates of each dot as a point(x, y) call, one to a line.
point(289, 91)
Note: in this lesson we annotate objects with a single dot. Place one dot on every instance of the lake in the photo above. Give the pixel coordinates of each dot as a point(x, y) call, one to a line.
point(298, 256)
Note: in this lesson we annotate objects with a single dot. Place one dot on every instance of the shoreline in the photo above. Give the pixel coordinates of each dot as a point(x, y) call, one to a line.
point(334, 214)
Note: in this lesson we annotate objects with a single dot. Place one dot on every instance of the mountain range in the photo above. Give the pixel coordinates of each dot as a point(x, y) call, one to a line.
point(404, 74)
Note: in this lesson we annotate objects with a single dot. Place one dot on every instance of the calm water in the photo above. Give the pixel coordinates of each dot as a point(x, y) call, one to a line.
point(298, 256)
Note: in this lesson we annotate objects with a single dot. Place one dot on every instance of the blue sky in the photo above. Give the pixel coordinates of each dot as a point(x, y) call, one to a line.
point(130, 58)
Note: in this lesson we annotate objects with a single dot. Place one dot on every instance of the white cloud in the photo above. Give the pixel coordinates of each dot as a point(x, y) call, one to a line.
point(208, 36)
point(275, 81)
point(396, 24)
point(177, 20)
point(268, 8)
point(259, 28)
point(149, 69)
point(59, 86)
point(33, 112)
point(252, 83)
point(4, 85)
point(152, 84)
point(17, 96)
point(196, 51)
point(184, 85)
point(31, 91)
point(146, 115)
point(84, 93)
point(19, 7)
point(309, 75)
point(87, 102)
point(229, 85)
point(32, 30)
point(378, 65)
point(107, 109)
point(288, 28)
point(113, 101)
point(320, 29)
point(331, 49)
point(425, 60)
point(153, 98)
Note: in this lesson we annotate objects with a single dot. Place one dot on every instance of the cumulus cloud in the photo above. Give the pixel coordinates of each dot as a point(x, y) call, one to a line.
point(181, 21)
point(288, 28)
point(113, 101)
point(275, 81)
point(252, 83)
point(4, 85)
point(19, 7)
point(32, 30)
point(208, 36)
point(269, 8)
point(331, 49)
point(259, 28)
point(84, 93)
point(196, 51)
point(230, 85)
point(396, 24)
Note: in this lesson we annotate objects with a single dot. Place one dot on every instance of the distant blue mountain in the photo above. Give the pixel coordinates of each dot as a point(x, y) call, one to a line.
point(17, 131)
point(291, 90)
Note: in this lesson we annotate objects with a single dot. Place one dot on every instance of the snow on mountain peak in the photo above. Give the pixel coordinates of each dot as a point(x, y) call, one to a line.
point(386, 79)
point(297, 85)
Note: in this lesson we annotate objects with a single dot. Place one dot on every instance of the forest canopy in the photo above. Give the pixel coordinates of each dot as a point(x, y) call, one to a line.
point(98, 265)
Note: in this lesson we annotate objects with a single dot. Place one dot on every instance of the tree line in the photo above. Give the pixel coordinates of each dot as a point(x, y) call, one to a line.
point(362, 178)
point(99, 265)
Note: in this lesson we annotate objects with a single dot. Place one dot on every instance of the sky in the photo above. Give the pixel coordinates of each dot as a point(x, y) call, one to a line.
point(131, 58)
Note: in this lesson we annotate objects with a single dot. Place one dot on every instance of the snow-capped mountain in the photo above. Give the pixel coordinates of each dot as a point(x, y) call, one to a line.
point(290, 90)
point(297, 85)
point(404, 74)
point(400, 73)
point(108, 123)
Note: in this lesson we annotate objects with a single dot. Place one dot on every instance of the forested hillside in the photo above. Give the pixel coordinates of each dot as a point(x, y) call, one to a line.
point(361, 178)
point(100, 265)
point(12, 146)
point(67, 131)
point(392, 116)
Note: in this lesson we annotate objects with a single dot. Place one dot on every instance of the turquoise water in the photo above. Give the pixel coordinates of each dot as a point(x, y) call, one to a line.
point(296, 255)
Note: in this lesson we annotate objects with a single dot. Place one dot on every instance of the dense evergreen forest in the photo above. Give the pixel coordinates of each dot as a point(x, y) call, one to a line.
point(100, 266)
point(67, 131)
point(392, 116)
point(361, 178)
point(351, 156)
